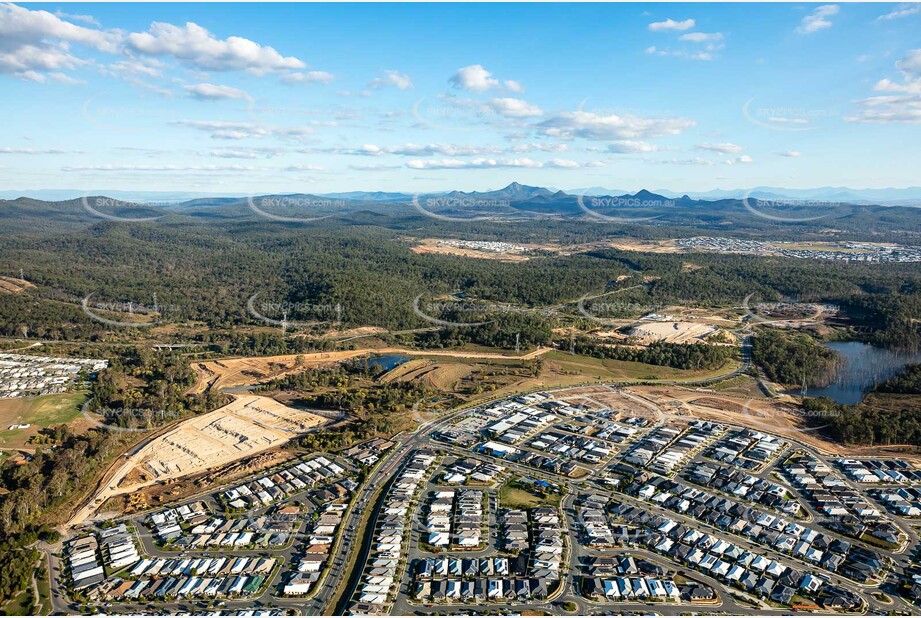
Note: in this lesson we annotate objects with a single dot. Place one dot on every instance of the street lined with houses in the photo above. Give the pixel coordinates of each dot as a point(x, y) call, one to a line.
point(543, 501)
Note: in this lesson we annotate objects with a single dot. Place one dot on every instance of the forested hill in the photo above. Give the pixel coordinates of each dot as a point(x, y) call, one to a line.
point(207, 273)
point(205, 268)
point(643, 214)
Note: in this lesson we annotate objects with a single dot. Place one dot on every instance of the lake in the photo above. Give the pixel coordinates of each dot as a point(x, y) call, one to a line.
point(386, 362)
point(863, 367)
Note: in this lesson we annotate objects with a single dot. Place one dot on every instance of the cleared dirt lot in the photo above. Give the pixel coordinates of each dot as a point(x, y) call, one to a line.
point(432, 374)
point(672, 332)
point(233, 372)
point(245, 427)
point(180, 489)
point(778, 416)
point(12, 285)
point(647, 246)
point(434, 246)
point(598, 397)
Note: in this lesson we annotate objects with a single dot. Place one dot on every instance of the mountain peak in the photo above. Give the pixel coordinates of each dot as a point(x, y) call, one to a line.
point(518, 191)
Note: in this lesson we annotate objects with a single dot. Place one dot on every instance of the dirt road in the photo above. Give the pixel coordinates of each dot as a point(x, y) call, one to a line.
point(235, 372)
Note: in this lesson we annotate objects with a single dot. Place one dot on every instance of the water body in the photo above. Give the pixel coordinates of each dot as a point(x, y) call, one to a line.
point(386, 362)
point(239, 390)
point(863, 367)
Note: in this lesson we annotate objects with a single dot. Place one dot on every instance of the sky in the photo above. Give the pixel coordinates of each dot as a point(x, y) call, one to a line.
point(314, 98)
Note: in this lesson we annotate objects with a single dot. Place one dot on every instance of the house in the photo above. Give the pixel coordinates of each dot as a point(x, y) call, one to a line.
point(783, 594)
point(701, 594)
point(764, 587)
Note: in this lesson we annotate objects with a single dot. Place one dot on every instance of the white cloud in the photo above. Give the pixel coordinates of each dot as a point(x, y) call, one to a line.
point(148, 67)
point(198, 48)
point(479, 163)
point(902, 107)
point(721, 148)
point(19, 25)
point(35, 151)
point(888, 109)
point(373, 167)
point(304, 167)
point(446, 150)
point(215, 92)
point(219, 129)
point(246, 153)
point(234, 154)
point(35, 45)
point(785, 120)
point(818, 19)
point(161, 168)
point(694, 161)
point(701, 37)
point(392, 78)
point(514, 108)
point(589, 125)
point(86, 19)
point(484, 163)
point(565, 164)
point(911, 64)
point(626, 146)
point(680, 53)
point(418, 150)
point(41, 78)
point(449, 150)
point(902, 10)
point(742, 159)
point(475, 78)
point(310, 77)
point(671, 24)
point(539, 147)
point(908, 86)
point(790, 153)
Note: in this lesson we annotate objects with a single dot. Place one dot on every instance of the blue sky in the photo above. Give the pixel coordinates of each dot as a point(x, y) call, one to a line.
point(318, 98)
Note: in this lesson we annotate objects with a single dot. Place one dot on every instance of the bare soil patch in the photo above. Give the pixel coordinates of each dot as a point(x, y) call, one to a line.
point(180, 489)
point(12, 285)
point(246, 427)
point(777, 416)
point(672, 331)
point(433, 246)
point(233, 372)
point(441, 376)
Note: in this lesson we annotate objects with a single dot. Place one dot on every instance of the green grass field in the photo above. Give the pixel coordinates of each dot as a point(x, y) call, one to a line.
point(608, 369)
point(19, 605)
point(520, 498)
point(40, 412)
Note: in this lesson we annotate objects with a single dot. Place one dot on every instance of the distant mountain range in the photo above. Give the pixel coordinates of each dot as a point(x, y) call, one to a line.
point(909, 196)
point(60, 195)
point(515, 192)
point(513, 203)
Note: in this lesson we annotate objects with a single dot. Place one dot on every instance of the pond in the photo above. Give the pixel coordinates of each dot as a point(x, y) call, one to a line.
point(863, 366)
point(386, 362)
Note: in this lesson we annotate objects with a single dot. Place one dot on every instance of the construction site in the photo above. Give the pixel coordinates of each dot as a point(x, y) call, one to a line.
point(247, 426)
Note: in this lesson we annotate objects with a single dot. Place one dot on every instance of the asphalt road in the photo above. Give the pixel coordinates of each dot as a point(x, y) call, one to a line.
point(355, 541)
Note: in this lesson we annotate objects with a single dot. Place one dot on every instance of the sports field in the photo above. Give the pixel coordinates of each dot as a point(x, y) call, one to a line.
point(39, 412)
